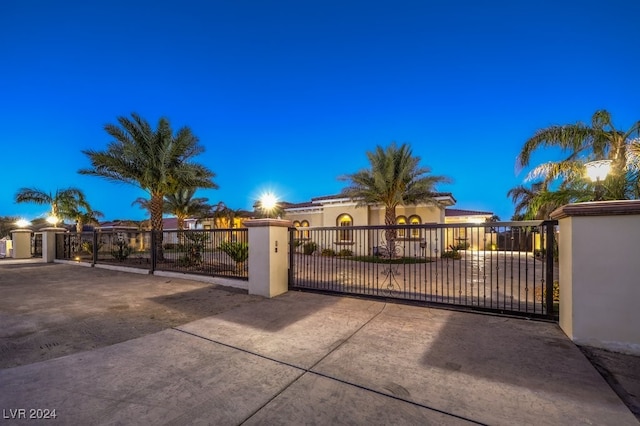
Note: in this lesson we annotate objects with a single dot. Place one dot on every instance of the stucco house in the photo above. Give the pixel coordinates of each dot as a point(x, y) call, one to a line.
point(342, 212)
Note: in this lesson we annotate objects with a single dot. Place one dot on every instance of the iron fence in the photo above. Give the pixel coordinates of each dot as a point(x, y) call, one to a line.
point(214, 252)
point(508, 267)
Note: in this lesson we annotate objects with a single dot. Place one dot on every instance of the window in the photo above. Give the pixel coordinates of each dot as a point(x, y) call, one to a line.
point(305, 224)
point(415, 220)
point(345, 221)
point(296, 224)
point(401, 220)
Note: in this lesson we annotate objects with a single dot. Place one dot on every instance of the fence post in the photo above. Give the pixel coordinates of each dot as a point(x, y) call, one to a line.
point(21, 243)
point(549, 259)
point(94, 246)
point(268, 247)
point(49, 243)
point(154, 251)
point(292, 252)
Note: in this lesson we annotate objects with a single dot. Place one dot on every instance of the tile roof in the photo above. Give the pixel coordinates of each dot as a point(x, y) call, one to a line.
point(461, 212)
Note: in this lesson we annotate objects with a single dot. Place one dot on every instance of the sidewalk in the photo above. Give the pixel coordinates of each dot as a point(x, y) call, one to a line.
point(306, 358)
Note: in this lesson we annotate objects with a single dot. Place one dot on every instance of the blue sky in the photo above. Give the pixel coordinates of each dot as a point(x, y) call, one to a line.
point(288, 95)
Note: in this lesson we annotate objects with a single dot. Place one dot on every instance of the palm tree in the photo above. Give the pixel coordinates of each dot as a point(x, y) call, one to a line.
point(63, 202)
point(182, 205)
point(394, 178)
point(538, 202)
point(157, 161)
point(82, 216)
point(583, 143)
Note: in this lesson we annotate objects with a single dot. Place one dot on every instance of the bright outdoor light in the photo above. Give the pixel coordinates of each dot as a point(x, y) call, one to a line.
point(22, 223)
point(598, 170)
point(268, 202)
point(52, 220)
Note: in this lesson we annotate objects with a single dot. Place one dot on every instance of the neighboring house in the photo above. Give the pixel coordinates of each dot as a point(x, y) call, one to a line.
point(342, 212)
point(123, 229)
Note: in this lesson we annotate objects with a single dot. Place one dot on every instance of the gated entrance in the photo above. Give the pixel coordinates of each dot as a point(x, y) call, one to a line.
point(506, 267)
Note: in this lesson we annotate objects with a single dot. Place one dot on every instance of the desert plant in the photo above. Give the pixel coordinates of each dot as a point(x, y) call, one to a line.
point(309, 247)
point(122, 252)
point(345, 253)
point(328, 252)
point(239, 252)
point(451, 254)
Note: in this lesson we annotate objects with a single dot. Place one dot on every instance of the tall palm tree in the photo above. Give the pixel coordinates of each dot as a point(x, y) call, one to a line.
point(157, 161)
point(583, 143)
point(62, 202)
point(394, 178)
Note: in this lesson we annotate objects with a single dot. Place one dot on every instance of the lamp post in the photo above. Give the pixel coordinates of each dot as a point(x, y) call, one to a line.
point(597, 172)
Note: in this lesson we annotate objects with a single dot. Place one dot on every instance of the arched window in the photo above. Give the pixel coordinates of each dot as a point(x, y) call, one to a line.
point(415, 220)
point(296, 224)
point(305, 224)
point(401, 220)
point(345, 221)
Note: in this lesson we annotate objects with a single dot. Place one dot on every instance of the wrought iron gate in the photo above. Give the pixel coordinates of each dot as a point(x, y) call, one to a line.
point(507, 267)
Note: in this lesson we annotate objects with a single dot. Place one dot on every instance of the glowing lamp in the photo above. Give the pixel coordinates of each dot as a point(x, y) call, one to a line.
point(52, 220)
point(268, 203)
point(22, 223)
point(598, 170)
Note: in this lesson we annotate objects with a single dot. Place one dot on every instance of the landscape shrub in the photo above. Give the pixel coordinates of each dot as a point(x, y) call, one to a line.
point(328, 252)
point(309, 247)
point(239, 252)
point(451, 254)
point(345, 253)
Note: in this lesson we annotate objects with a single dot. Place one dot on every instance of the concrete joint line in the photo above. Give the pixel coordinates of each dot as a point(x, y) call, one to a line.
point(309, 370)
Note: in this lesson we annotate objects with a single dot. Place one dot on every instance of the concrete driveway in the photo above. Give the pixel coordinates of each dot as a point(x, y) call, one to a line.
point(305, 358)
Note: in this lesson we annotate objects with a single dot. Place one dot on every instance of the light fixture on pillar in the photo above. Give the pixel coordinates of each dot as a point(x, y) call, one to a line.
point(53, 220)
point(268, 203)
point(22, 223)
point(597, 172)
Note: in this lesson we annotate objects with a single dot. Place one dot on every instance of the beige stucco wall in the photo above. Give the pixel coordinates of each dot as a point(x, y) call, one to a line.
point(366, 243)
point(599, 281)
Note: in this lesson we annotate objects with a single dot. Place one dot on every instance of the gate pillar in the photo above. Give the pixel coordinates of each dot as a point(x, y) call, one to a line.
point(21, 239)
point(599, 270)
point(268, 256)
point(49, 243)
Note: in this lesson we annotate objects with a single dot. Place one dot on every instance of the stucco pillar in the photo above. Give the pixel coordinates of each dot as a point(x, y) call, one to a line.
point(268, 256)
point(21, 239)
point(49, 243)
point(600, 273)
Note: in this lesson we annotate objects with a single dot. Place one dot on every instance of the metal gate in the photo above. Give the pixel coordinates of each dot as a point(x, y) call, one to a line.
point(506, 267)
point(36, 244)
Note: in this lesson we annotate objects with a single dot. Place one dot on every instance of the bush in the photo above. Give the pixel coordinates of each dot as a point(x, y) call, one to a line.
point(459, 246)
point(309, 248)
point(451, 254)
point(239, 252)
point(328, 252)
point(541, 293)
point(345, 253)
point(122, 252)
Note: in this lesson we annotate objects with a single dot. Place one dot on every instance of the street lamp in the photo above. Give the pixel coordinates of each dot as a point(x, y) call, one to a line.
point(597, 172)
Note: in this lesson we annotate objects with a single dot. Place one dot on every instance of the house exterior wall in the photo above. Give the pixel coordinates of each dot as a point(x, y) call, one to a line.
point(372, 241)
